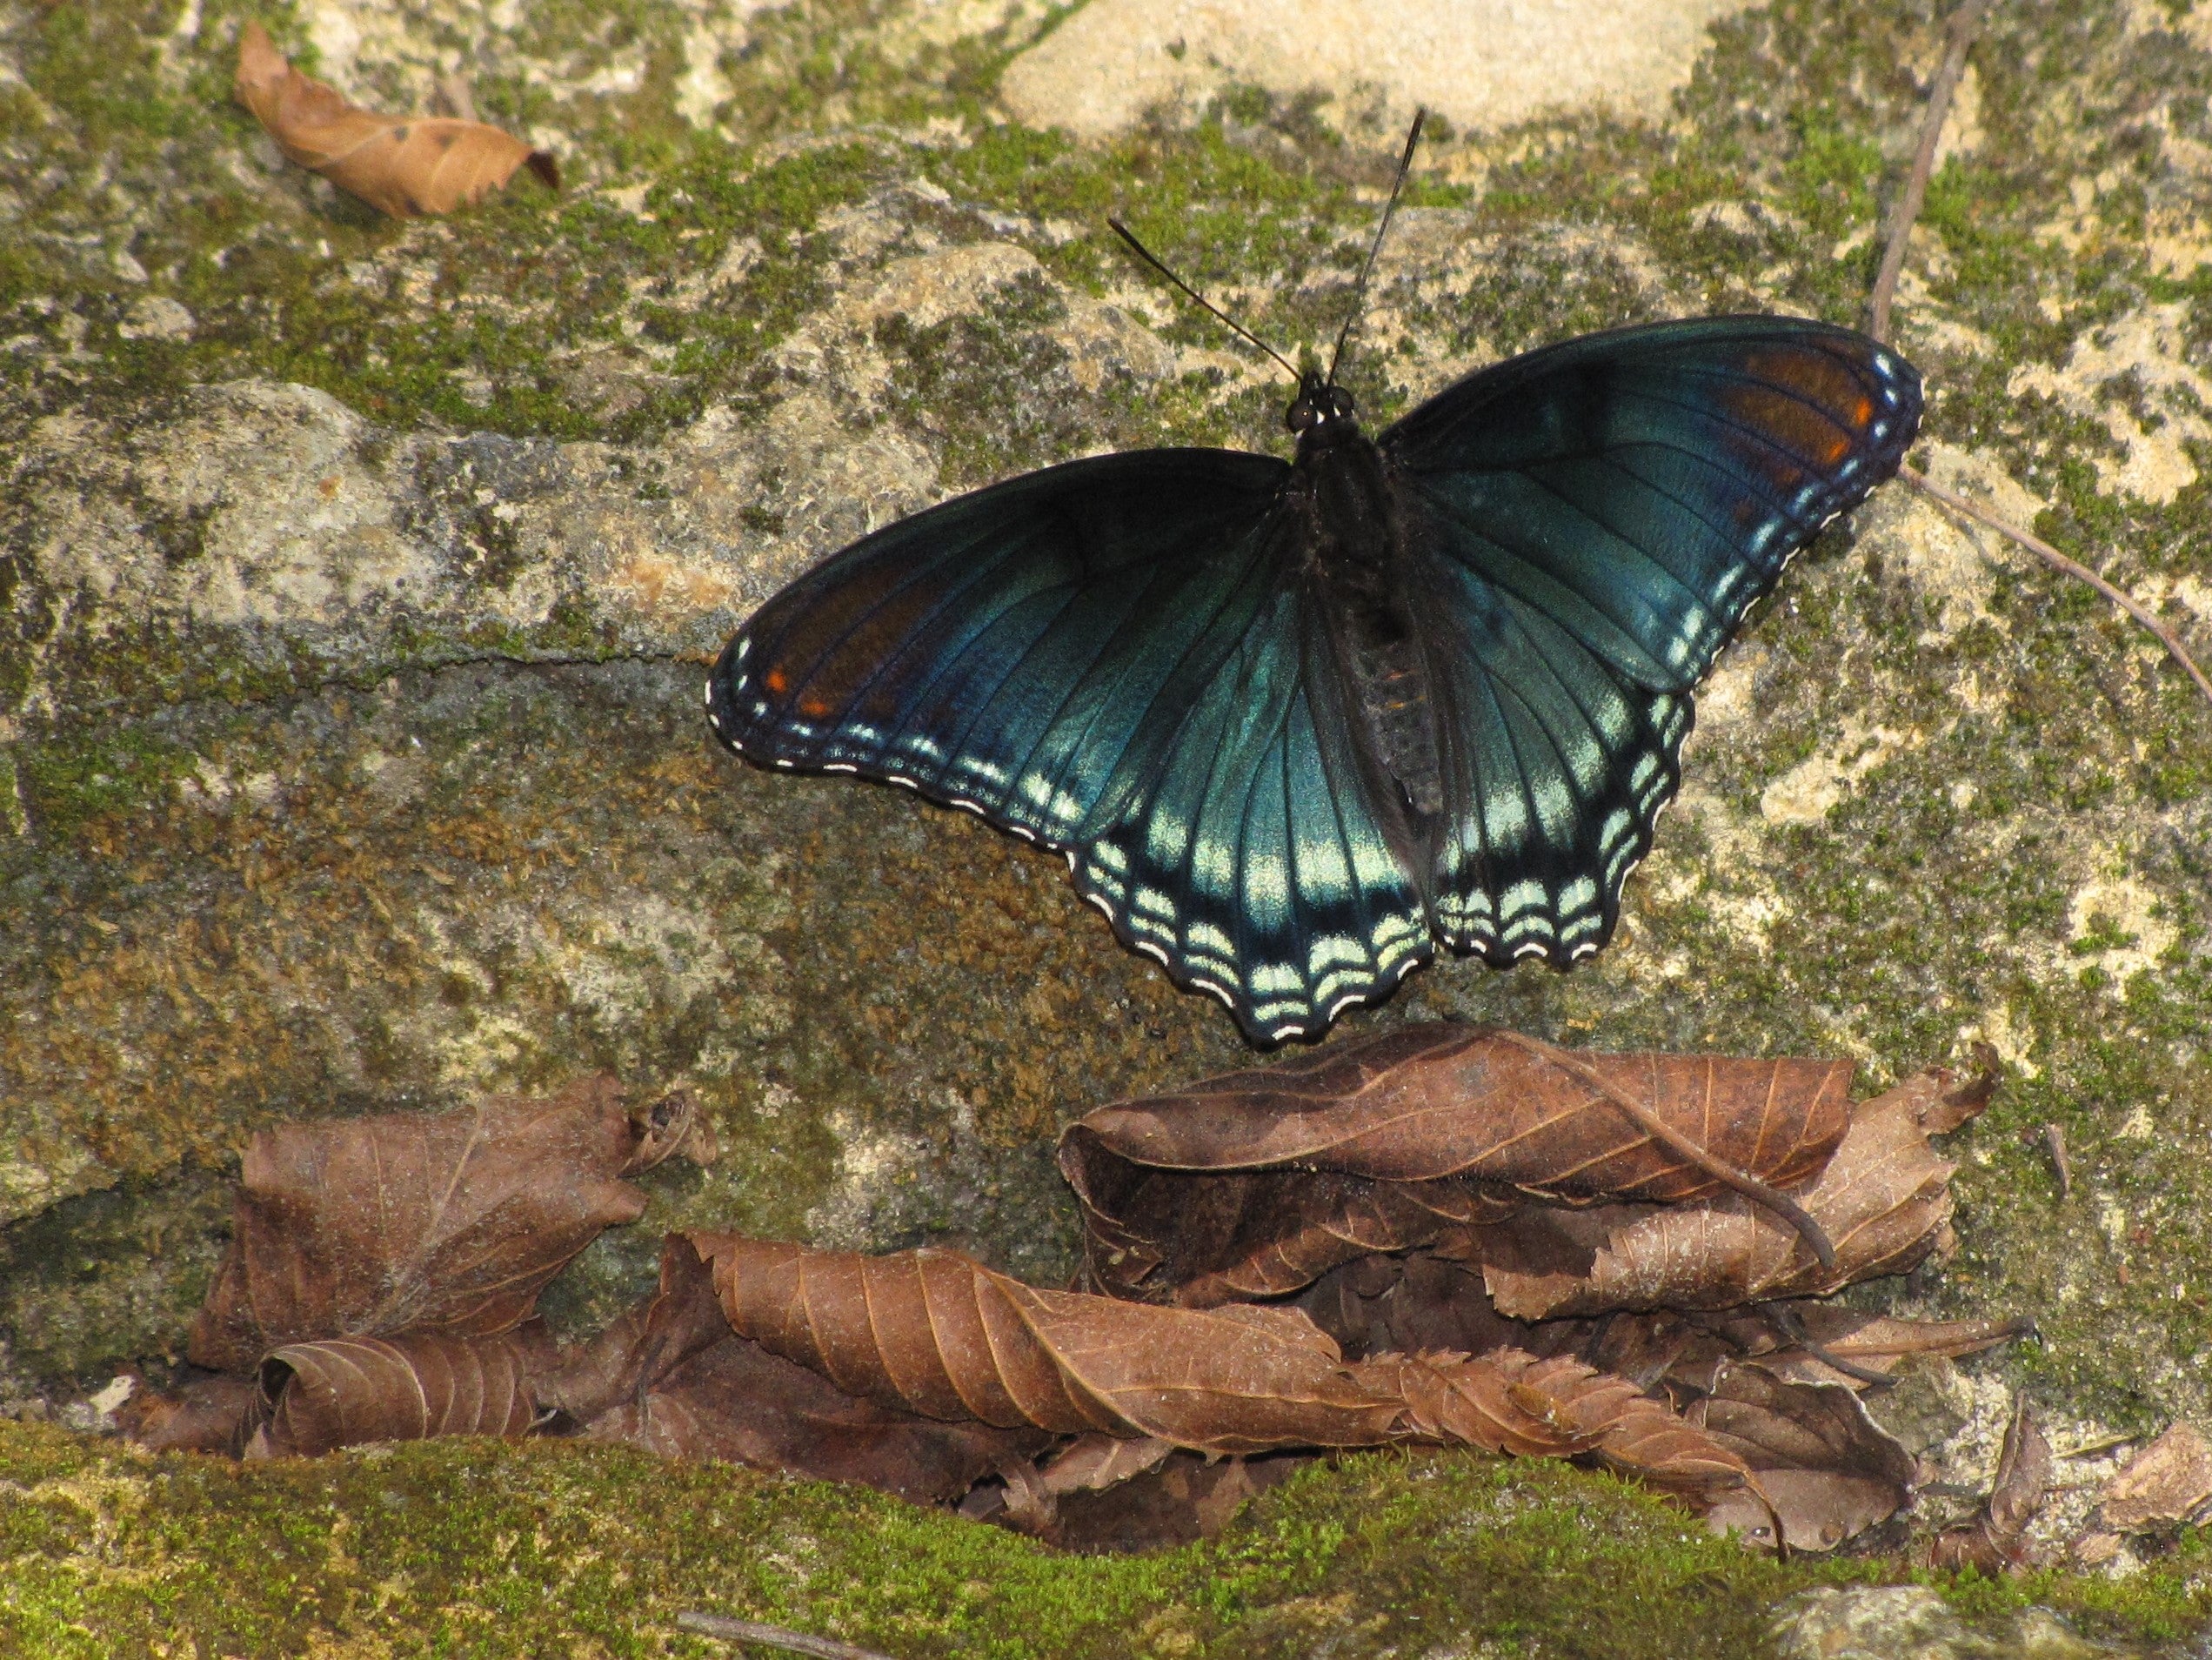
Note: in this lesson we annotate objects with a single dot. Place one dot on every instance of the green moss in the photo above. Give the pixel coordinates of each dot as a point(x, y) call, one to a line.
point(119, 771)
point(535, 1548)
point(540, 1548)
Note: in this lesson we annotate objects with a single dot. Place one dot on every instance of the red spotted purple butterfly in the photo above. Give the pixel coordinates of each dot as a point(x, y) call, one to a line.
point(1296, 723)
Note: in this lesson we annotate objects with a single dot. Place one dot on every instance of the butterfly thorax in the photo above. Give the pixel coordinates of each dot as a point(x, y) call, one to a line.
point(1356, 559)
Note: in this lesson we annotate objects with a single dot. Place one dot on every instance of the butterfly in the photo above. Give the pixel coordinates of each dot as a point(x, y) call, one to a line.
point(1297, 724)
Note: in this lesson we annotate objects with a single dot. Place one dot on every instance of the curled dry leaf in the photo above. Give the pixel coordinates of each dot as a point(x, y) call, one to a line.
point(1995, 1541)
point(319, 1396)
point(1254, 1183)
point(1515, 1402)
point(934, 1333)
point(1884, 1199)
point(413, 1222)
point(403, 165)
point(671, 1376)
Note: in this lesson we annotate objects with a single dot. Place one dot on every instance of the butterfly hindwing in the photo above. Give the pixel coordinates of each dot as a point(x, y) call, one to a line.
point(1116, 658)
point(1254, 860)
point(1588, 525)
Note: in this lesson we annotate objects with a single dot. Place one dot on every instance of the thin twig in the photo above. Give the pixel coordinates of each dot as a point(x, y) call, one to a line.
point(2101, 1444)
point(773, 1636)
point(2058, 561)
point(1680, 1145)
point(1790, 1327)
point(1966, 23)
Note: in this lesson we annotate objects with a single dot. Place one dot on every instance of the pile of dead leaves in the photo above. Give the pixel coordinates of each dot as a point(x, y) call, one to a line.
point(1439, 1234)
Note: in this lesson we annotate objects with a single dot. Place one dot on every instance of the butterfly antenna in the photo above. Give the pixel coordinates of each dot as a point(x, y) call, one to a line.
point(1360, 294)
point(1150, 258)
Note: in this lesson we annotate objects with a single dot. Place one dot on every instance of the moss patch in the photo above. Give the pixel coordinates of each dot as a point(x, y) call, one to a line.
point(498, 1549)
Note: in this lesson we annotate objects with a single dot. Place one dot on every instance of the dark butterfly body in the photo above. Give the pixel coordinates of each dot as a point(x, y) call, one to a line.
point(1294, 724)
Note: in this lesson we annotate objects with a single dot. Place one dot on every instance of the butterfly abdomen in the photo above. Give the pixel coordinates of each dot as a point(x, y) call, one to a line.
point(1356, 561)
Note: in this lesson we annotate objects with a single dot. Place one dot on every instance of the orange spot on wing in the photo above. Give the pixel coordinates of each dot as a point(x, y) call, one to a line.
point(812, 708)
point(777, 681)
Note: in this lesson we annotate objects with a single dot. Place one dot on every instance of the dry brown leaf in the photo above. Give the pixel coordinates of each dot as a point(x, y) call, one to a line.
point(1511, 1402)
point(935, 1333)
point(1388, 1137)
point(1185, 1497)
point(2163, 1485)
point(1884, 1199)
point(627, 1360)
point(319, 1396)
point(669, 1375)
point(403, 165)
point(1092, 1463)
point(413, 1222)
point(737, 1402)
point(1826, 1470)
point(209, 1415)
point(1995, 1541)
point(1380, 1305)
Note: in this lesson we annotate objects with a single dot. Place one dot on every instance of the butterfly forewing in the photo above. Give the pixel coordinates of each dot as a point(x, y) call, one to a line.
point(1115, 657)
point(1589, 524)
point(997, 650)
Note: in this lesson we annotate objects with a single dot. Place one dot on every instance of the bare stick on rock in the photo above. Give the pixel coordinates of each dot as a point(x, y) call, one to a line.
point(2058, 561)
point(1965, 24)
point(773, 1636)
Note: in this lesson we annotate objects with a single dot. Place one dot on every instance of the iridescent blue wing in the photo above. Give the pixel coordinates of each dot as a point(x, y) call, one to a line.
point(1585, 528)
point(1116, 658)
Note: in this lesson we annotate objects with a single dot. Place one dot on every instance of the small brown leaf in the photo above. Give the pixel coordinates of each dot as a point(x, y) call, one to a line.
point(1378, 1305)
point(2163, 1485)
point(1884, 1199)
point(404, 165)
point(1092, 1463)
point(319, 1396)
point(1191, 1194)
point(1185, 1497)
point(1826, 1470)
point(932, 1332)
point(412, 1222)
point(644, 1345)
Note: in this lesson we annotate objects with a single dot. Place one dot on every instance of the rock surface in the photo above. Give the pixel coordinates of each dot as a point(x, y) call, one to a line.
point(1484, 63)
point(357, 581)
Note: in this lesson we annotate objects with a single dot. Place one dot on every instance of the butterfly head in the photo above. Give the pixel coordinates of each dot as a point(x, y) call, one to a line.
point(1319, 406)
